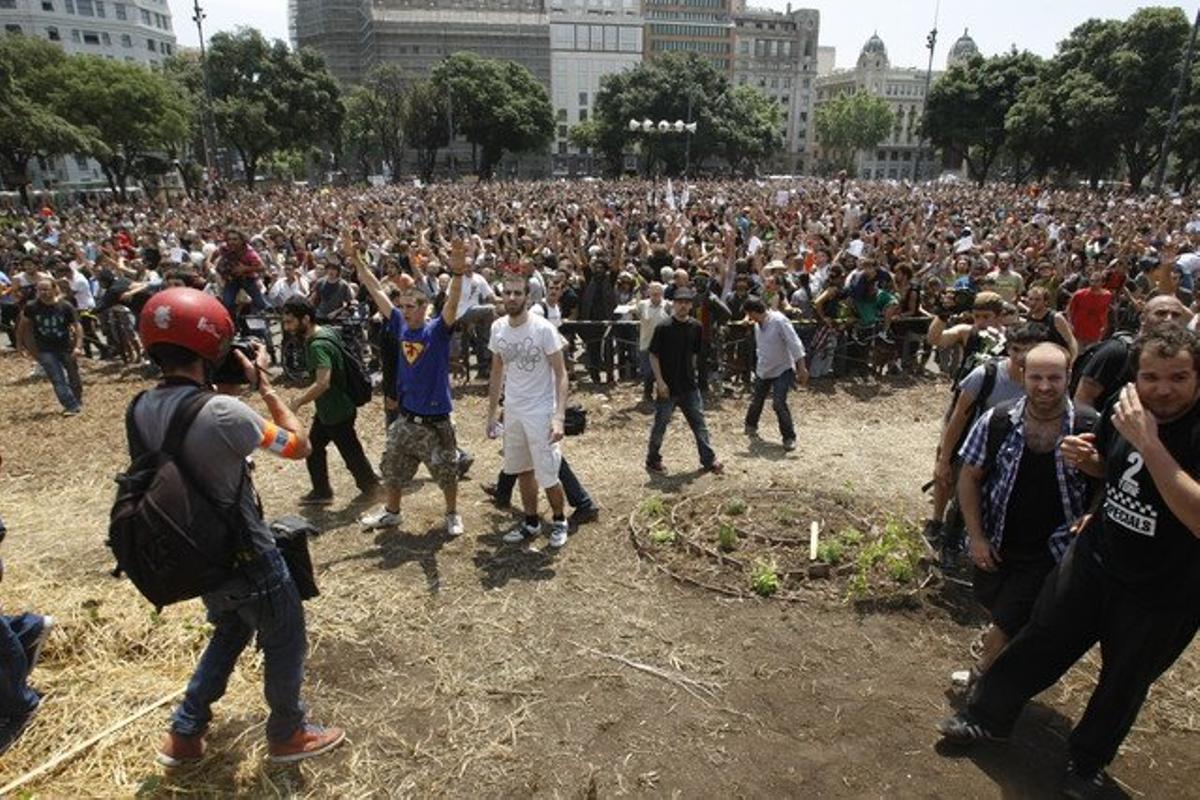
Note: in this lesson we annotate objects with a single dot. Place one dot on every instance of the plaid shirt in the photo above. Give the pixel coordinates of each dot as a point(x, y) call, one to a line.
point(1002, 477)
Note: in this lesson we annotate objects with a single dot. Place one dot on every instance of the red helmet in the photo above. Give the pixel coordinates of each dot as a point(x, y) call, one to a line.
point(188, 318)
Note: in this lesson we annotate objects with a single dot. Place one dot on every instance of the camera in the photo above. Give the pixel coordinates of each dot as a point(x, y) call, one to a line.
point(229, 370)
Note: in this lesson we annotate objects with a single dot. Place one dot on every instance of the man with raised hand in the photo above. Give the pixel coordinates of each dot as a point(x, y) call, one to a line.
point(423, 433)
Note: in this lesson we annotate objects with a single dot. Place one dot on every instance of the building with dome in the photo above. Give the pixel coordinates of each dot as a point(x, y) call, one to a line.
point(904, 90)
point(962, 51)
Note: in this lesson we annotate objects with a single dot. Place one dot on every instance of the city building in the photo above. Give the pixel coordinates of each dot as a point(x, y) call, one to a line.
point(904, 90)
point(776, 52)
point(588, 40)
point(826, 60)
point(130, 30)
point(962, 51)
point(334, 28)
point(704, 27)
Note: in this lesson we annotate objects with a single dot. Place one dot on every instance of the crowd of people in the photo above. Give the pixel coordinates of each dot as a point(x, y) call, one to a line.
point(1065, 469)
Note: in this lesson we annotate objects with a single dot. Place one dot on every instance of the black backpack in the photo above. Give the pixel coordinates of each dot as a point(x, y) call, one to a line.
point(1001, 425)
point(356, 383)
point(168, 536)
point(1089, 354)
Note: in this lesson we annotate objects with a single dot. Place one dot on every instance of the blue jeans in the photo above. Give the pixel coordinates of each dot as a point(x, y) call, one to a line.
point(779, 388)
point(63, 372)
point(692, 406)
point(251, 287)
point(17, 637)
point(646, 372)
point(272, 610)
point(577, 496)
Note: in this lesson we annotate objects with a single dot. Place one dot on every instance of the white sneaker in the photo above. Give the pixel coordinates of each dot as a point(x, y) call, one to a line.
point(380, 519)
point(454, 525)
point(35, 652)
point(521, 533)
point(558, 533)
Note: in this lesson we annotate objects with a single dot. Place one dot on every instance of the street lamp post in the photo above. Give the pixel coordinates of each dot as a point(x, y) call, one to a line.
point(209, 134)
point(930, 44)
point(664, 127)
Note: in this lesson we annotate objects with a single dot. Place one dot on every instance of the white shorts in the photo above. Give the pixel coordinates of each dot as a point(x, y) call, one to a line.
point(527, 447)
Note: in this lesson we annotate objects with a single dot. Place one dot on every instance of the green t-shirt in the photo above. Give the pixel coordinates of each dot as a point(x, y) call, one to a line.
point(335, 406)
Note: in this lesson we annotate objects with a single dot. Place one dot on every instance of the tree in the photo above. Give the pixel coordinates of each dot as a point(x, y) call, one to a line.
point(128, 111)
point(673, 86)
point(427, 124)
point(359, 139)
point(498, 106)
point(747, 125)
point(850, 122)
point(267, 98)
point(387, 100)
point(1136, 64)
point(30, 123)
point(184, 71)
point(966, 108)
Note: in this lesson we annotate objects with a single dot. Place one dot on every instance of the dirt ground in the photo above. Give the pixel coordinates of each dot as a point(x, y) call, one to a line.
point(464, 668)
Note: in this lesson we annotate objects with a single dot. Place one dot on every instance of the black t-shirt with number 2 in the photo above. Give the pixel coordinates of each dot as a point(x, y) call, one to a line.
point(1139, 540)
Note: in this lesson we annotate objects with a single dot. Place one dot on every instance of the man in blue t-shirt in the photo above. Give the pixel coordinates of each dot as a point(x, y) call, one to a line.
point(423, 432)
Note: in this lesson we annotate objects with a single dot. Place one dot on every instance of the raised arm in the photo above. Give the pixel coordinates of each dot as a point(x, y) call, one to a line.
point(367, 278)
point(458, 265)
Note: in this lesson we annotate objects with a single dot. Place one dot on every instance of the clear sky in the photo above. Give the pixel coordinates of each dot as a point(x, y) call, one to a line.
point(996, 25)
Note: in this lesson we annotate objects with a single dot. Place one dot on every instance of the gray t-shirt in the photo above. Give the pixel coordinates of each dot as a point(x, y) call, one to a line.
point(1005, 389)
point(223, 434)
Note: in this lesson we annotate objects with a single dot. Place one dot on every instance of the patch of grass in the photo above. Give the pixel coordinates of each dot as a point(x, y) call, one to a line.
point(736, 507)
point(654, 506)
point(831, 551)
point(727, 538)
point(663, 536)
point(786, 515)
point(894, 555)
point(852, 537)
point(764, 578)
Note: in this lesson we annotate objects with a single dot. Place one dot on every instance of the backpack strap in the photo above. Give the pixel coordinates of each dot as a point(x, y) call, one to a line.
point(181, 422)
point(999, 427)
point(137, 446)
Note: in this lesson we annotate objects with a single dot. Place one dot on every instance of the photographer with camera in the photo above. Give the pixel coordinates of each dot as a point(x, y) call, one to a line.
point(187, 333)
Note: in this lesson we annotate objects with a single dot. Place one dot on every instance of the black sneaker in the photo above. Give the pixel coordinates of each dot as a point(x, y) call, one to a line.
point(315, 498)
point(11, 728)
point(491, 490)
point(656, 467)
point(933, 534)
point(582, 516)
point(1082, 784)
point(962, 728)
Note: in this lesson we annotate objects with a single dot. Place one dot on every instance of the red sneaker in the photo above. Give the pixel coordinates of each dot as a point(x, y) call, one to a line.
point(178, 750)
point(308, 741)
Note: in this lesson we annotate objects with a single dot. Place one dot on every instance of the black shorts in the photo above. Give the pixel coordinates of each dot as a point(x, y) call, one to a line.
point(1010, 592)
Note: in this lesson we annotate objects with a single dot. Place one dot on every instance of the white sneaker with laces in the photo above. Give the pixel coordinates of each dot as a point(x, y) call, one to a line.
point(380, 519)
point(454, 525)
point(558, 533)
point(521, 533)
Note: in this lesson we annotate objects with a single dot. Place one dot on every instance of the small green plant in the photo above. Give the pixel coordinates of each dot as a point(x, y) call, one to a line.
point(735, 507)
point(786, 515)
point(896, 553)
point(851, 536)
point(764, 578)
point(654, 506)
point(831, 551)
point(663, 536)
point(727, 537)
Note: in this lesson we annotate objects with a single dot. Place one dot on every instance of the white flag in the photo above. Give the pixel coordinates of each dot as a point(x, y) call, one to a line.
point(670, 195)
point(683, 198)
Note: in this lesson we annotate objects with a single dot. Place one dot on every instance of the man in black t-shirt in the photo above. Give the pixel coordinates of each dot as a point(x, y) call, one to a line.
point(50, 331)
point(1110, 367)
point(1130, 581)
point(673, 352)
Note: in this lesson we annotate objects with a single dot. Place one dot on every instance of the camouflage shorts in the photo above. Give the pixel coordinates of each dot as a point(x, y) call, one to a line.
point(410, 444)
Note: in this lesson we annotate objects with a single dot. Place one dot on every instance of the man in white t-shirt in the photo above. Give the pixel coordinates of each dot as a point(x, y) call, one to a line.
point(527, 363)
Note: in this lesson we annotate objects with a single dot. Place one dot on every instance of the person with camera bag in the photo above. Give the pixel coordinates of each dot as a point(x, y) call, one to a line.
point(336, 408)
point(187, 333)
